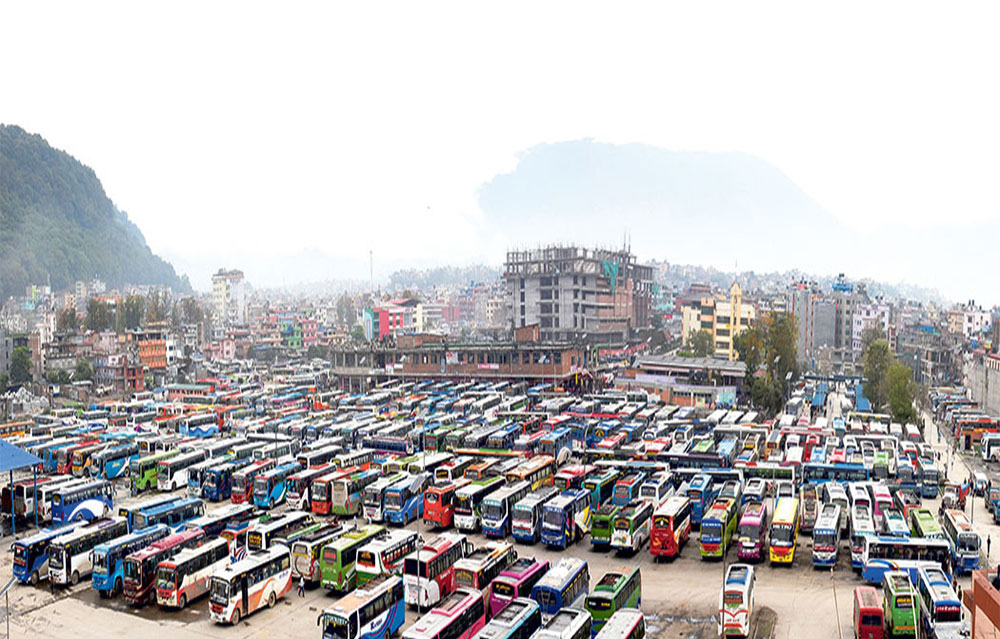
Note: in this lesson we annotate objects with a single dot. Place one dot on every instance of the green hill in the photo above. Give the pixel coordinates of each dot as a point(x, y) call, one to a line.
point(57, 223)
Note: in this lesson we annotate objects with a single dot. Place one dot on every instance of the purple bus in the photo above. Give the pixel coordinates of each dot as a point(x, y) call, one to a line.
point(751, 532)
point(516, 581)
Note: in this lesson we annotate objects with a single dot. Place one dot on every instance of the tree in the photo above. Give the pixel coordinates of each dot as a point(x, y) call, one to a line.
point(899, 381)
point(157, 306)
point(782, 348)
point(192, 311)
point(766, 395)
point(871, 333)
point(347, 313)
point(750, 346)
point(83, 371)
point(4, 381)
point(132, 313)
point(20, 366)
point(358, 334)
point(701, 343)
point(67, 320)
point(58, 377)
point(876, 360)
point(99, 316)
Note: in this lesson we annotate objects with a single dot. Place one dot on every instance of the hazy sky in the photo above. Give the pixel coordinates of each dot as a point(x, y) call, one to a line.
point(227, 130)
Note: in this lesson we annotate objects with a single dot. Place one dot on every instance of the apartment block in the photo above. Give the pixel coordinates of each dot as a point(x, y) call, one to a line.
point(723, 317)
point(229, 297)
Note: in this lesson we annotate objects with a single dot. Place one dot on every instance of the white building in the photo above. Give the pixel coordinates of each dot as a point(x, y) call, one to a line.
point(229, 297)
point(866, 315)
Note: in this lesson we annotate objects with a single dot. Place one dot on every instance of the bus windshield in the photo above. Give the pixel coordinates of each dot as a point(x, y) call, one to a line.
point(751, 532)
point(165, 578)
point(20, 554)
point(431, 498)
point(781, 533)
point(825, 538)
point(393, 500)
point(465, 578)
point(522, 514)
point(415, 568)
point(622, 524)
point(337, 626)
point(552, 518)
point(493, 511)
point(968, 542)
point(220, 590)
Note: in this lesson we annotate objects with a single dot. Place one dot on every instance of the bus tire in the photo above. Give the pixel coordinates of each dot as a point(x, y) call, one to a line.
point(118, 586)
point(271, 599)
point(74, 579)
point(34, 578)
point(183, 601)
point(236, 616)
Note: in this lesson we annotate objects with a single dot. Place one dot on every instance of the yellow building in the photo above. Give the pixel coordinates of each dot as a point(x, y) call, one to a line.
point(723, 317)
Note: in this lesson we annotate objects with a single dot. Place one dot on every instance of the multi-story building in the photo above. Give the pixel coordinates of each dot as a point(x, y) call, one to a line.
point(151, 345)
point(229, 297)
point(722, 317)
point(866, 316)
point(574, 293)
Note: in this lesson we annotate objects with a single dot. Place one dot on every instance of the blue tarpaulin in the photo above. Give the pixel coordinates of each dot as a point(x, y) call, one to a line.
point(861, 402)
point(13, 458)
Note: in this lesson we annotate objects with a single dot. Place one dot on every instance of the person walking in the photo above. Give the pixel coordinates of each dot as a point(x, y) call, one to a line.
point(302, 586)
point(989, 542)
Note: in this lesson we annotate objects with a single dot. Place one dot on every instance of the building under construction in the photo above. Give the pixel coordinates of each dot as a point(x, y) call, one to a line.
point(574, 293)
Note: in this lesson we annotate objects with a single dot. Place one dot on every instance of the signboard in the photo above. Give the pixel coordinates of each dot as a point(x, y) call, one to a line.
point(451, 357)
point(489, 367)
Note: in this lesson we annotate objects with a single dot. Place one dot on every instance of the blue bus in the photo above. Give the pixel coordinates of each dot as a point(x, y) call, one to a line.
point(51, 459)
point(109, 558)
point(504, 438)
point(909, 554)
point(113, 462)
point(815, 473)
point(498, 507)
point(129, 512)
point(526, 520)
point(174, 514)
point(217, 481)
point(221, 518)
point(601, 486)
point(928, 479)
point(627, 488)
point(87, 501)
point(31, 554)
point(271, 487)
point(565, 585)
point(566, 518)
point(700, 492)
point(556, 443)
point(404, 500)
point(727, 450)
point(582, 434)
point(519, 619)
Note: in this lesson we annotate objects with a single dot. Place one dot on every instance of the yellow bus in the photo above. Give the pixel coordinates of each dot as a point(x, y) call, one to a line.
point(784, 531)
point(538, 471)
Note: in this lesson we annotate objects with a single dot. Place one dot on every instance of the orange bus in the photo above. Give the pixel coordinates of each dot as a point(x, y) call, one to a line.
point(439, 504)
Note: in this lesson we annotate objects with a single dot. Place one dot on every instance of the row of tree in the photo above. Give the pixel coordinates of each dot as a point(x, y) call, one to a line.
point(134, 312)
point(889, 384)
point(770, 343)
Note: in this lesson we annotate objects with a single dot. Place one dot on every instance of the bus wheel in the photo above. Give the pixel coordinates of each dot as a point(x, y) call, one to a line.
point(236, 616)
point(183, 601)
point(271, 600)
point(34, 578)
point(118, 586)
point(74, 578)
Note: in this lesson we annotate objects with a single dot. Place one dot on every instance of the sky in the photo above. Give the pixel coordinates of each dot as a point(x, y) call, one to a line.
point(290, 139)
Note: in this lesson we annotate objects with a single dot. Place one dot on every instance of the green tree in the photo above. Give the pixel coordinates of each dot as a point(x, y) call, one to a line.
point(67, 320)
point(766, 395)
point(83, 371)
point(701, 343)
point(4, 381)
point(133, 311)
point(871, 333)
point(900, 390)
point(876, 361)
point(99, 316)
point(782, 348)
point(58, 377)
point(157, 306)
point(192, 311)
point(358, 333)
point(20, 365)
point(749, 345)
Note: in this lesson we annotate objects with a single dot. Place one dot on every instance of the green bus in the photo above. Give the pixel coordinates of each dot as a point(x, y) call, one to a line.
point(434, 440)
point(145, 470)
point(899, 604)
point(717, 527)
point(337, 566)
point(456, 438)
point(399, 465)
point(600, 526)
point(924, 524)
point(601, 487)
point(617, 589)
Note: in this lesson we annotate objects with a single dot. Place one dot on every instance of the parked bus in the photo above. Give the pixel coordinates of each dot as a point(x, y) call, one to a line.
point(717, 528)
point(699, 490)
point(537, 471)
point(108, 577)
point(627, 488)
point(129, 512)
point(928, 474)
point(385, 554)
point(454, 469)
point(868, 622)
point(215, 522)
point(241, 484)
point(40, 496)
point(375, 609)
point(241, 588)
point(429, 574)
point(601, 486)
point(964, 541)
point(894, 523)
point(784, 531)
point(862, 526)
point(656, 489)
point(469, 500)
point(174, 514)
point(217, 482)
point(173, 472)
point(321, 490)
point(349, 490)
point(404, 500)
point(736, 601)
point(87, 501)
point(299, 483)
point(196, 475)
point(140, 566)
point(338, 564)
point(480, 567)
point(306, 551)
point(70, 553)
point(517, 580)
point(752, 532)
point(566, 518)
point(563, 586)
point(263, 533)
point(572, 476)
point(497, 507)
point(671, 527)
point(526, 518)
point(186, 576)
point(885, 554)
point(31, 554)
point(439, 503)
point(940, 607)
point(900, 606)
point(271, 487)
point(924, 524)
point(616, 590)
point(143, 471)
point(826, 536)
point(113, 462)
point(461, 615)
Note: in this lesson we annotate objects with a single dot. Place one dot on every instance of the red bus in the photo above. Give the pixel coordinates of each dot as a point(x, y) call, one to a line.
point(671, 527)
point(64, 456)
point(243, 480)
point(321, 489)
point(185, 576)
point(460, 616)
point(439, 504)
point(614, 442)
point(867, 613)
point(140, 566)
point(572, 477)
point(429, 573)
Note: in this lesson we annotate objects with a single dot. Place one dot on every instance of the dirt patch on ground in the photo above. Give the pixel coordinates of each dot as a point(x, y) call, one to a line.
point(682, 623)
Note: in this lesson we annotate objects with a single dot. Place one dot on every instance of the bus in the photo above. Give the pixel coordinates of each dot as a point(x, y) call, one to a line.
point(318, 456)
point(385, 554)
point(80, 462)
point(173, 472)
point(186, 576)
point(277, 451)
point(299, 483)
point(736, 601)
point(174, 514)
point(404, 500)
point(700, 492)
point(241, 588)
point(928, 474)
point(439, 503)
point(31, 554)
point(497, 507)
point(349, 490)
point(429, 573)
point(454, 469)
point(894, 523)
point(469, 500)
point(217, 481)
point(964, 541)
point(900, 608)
point(70, 553)
point(140, 566)
point(517, 580)
point(632, 526)
point(867, 613)
point(264, 532)
point(784, 531)
point(826, 536)
point(537, 471)
point(109, 558)
point(567, 623)
point(566, 518)
point(338, 565)
point(924, 524)
point(143, 471)
point(885, 554)
point(573, 476)
point(627, 488)
point(461, 615)
point(862, 526)
point(671, 527)
point(271, 487)
point(215, 522)
point(129, 512)
point(617, 589)
point(29, 498)
point(306, 551)
point(526, 518)
point(656, 489)
point(564, 586)
point(90, 500)
point(717, 528)
point(113, 462)
point(196, 474)
point(241, 483)
point(321, 489)
point(483, 469)
point(751, 533)
point(940, 607)
point(520, 618)
point(480, 567)
point(375, 609)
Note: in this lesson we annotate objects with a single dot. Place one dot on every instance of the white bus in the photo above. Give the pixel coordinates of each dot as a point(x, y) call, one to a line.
point(173, 472)
point(262, 534)
point(568, 623)
point(70, 555)
point(736, 602)
point(385, 554)
point(185, 577)
point(242, 588)
point(375, 609)
point(629, 623)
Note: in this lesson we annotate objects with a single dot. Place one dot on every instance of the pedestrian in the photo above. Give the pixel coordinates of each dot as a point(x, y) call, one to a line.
point(302, 586)
point(988, 543)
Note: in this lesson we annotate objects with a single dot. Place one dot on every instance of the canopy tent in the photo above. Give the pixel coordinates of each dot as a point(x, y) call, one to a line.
point(13, 458)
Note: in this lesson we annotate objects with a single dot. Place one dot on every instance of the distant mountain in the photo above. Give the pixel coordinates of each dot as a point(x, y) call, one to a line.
point(57, 223)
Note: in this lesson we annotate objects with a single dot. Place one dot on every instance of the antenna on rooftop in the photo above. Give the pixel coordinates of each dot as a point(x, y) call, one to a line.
point(371, 273)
